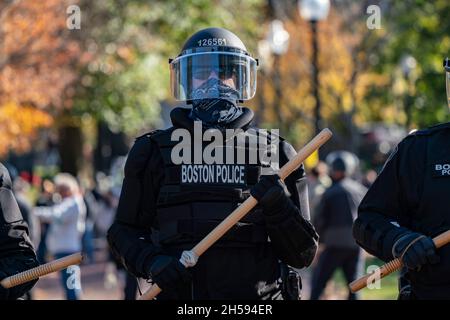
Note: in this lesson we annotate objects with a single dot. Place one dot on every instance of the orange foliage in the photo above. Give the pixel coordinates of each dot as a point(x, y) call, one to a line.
point(19, 125)
point(37, 59)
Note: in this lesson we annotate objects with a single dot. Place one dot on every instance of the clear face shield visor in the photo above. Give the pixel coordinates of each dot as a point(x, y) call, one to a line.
point(233, 69)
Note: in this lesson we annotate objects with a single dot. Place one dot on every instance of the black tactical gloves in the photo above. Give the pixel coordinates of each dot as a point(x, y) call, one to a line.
point(168, 273)
point(415, 250)
point(292, 236)
point(10, 266)
point(271, 194)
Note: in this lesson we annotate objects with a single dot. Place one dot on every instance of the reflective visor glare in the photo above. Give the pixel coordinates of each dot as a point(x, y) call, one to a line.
point(188, 72)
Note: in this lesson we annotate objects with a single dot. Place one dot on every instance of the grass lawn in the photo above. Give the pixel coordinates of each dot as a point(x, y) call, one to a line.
point(388, 287)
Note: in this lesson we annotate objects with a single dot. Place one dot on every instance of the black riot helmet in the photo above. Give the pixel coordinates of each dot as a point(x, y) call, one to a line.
point(447, 79)
point(218, 54)
point(343, 161)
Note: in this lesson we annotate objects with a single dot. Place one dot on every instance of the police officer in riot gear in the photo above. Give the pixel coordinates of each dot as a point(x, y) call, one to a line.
point(166, 207)
point(406, 207)
point(335, 213)
point(16, 250)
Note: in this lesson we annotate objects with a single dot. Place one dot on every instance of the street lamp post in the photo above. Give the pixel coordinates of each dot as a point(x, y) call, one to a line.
point(315, 11)
point(264, 67)
point(315, 76)
point(278, 39)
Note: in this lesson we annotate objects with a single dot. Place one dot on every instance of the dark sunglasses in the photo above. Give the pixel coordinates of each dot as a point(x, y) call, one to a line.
point(203, 73)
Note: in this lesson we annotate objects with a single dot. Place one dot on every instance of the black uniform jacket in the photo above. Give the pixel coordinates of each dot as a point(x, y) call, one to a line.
point(412, 193)
point(222, 272)
point(16, 250)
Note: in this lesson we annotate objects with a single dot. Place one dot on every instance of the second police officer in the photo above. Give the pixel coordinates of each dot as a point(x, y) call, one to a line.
point(407, 206)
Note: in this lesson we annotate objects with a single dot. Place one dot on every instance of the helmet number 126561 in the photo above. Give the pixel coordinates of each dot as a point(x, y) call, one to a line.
point(212, 42)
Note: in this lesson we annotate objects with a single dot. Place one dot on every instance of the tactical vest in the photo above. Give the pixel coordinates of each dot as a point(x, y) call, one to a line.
point(195, 198)
point(430, 212)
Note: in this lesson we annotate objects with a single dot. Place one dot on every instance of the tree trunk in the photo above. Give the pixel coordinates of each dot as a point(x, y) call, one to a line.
point(110, 145)
point(70, 148)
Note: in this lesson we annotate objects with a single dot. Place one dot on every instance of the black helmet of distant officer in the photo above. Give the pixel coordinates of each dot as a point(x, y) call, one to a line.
point(342, 164)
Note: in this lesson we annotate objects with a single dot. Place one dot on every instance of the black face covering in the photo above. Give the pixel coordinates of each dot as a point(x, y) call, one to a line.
point(215, 104)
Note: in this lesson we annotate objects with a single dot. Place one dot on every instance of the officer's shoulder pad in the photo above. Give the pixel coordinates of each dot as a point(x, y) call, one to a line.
point(439, 127)
point(430, 130)
point(152, 134)
point(416, 132)
point(147, 135)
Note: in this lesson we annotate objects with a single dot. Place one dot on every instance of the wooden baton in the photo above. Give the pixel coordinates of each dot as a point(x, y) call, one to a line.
point(41, 270)
point(394, 265)
point(248, 204)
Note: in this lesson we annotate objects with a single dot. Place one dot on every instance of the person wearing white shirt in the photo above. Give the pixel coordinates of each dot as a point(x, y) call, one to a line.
point(67, 224)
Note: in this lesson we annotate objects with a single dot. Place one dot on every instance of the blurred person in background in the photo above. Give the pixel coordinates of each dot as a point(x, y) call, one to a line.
point(107, 195)
point(369, 178)
point(115, 186)
point(67, 225)
point(16, 249)
point(318, 182)
point(88, 235)
point(92, 210)
point(21, 189)
point(335, 213)
point(45, 199)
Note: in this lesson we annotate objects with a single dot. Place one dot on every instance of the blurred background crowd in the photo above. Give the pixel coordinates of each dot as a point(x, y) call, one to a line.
point(79, 80)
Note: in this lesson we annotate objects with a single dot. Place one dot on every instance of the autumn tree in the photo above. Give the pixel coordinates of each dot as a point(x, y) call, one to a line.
point(345, 66)
point(113, 69)
point(132, 42)
point(419, 29)
point(36, 67)
point(127, 80)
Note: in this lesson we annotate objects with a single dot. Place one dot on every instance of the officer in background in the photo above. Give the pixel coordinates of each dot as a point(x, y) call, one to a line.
point(16, 250)
point(318, 182)
point(160, 213)
point(336, 211)
point(407, 206)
